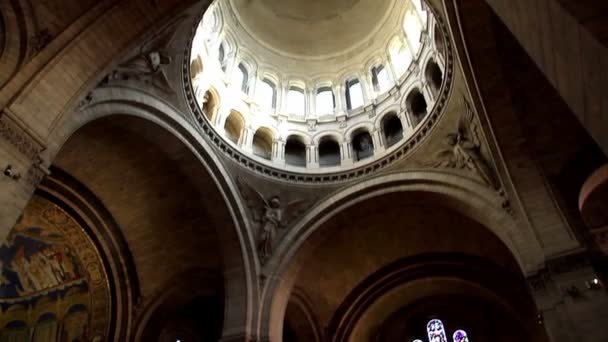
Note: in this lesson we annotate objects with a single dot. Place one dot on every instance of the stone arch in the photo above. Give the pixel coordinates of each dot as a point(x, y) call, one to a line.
point(417, 106)
point(362, 142)
point(263, 141)
point(405, 285)
point(238, 253)
point(392, 129)
point(329, 150)
point(304, 323)
point(296, 150)
point(76, 199)
point(172, 297)
point(433, 76)
point(234, 126)
point(16, 26)
point(462, 195)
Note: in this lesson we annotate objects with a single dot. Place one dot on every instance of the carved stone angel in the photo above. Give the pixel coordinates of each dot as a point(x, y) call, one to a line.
point(146, 66)
point(464, 151)
point(269, 215)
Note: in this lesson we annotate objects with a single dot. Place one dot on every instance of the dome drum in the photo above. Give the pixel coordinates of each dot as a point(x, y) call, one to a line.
point(315, 98)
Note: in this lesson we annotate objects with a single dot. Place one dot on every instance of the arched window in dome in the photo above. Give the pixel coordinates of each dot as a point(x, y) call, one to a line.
point(417, 341)
point(461, 336)
point(416, 106)
point(210, 105)
point(436, 331)
point(363, 145)
point(380, 79)
point(413, 25)
point(392, 129)
point(325, 101)
point(401, 58)
point(221, 57)
point(266, 95)
point(329, 152)
point(433, 76)
point(46, 328)
point(354, 94)
point(296, 101)
point(241, 78)
point(438, 38)
point(196, 67)
point(421, 11)
point(295, 151)
point(234, 127)
point(15, 331)
point(262, 143)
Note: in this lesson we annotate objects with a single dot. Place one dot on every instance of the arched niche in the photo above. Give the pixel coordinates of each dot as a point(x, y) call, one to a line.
point(189, 308)
point(196, 67)
point(234, 126)
point(433, 76)
point(392, 129)
point(15, 330)
point(417, 106)
point(263, 140)
point(362, 144)
point(210, 104)
point(46, 328)
point(301, 323)
point(295, 151)
point(329, 152)
point(150, 178)
point(383, 228)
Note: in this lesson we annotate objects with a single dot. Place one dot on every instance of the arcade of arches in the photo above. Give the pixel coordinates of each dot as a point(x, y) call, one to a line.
point(290, 170)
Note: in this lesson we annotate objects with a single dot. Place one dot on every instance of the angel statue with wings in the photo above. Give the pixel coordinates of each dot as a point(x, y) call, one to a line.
point(464, 151)
point(270, 215)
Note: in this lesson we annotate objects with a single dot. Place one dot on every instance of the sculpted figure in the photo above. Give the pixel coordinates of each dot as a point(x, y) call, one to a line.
point(464, 150)
point(269, 215)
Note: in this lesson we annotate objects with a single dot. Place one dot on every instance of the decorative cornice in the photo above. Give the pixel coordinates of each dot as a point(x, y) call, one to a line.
point(336, 177)
point(19, 138)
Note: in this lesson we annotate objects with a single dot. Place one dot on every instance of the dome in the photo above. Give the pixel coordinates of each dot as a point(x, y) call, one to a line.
point(317, 87)
point(314, 29)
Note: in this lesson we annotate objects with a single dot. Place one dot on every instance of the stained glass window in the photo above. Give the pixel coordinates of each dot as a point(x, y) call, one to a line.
point(436, 331)
point(460, 336)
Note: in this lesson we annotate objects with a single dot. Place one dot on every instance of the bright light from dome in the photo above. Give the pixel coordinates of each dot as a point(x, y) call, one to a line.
point(355, 92)
point(413, 29)
point(266, 96)
point(383, 81)
point(400, 57)
point(296, 102)
point(325, 102)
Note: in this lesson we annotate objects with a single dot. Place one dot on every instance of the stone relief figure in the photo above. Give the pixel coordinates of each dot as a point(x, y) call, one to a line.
point(269, 215)
point(464, 150)
point(147, 65)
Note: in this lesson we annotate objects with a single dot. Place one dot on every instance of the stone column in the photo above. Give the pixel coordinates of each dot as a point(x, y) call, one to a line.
point(346, 153)
point(312, 157)
point(246, 141)
point(278, 152)
point(21, 170)
point(368, 90)
point(311, 109)
point(340, 99)
point(378, 141)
